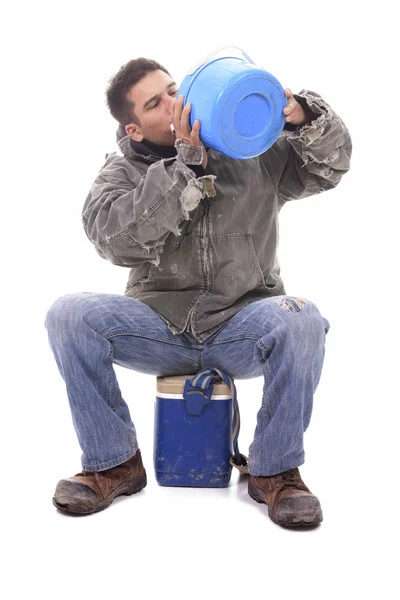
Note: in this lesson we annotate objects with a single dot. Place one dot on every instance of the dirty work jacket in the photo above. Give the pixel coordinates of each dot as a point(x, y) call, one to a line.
point(202, 248)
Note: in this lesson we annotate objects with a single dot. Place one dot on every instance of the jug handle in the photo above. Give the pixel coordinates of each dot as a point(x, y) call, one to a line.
point(214, 53)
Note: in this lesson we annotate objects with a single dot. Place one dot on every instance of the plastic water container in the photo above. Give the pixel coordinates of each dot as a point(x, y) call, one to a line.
point(195, 431)
point(239, 105)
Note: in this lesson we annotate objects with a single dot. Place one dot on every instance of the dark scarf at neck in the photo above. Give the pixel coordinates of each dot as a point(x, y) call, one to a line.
point(145, 147)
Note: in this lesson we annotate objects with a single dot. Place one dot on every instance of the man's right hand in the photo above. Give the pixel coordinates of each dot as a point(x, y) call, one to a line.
point(182, 127)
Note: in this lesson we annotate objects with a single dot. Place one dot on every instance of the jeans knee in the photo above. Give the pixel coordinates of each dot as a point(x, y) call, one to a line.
point(313, 331)
point(305, 328)
point(291, 303)
point(318, 322)
point(66, 310)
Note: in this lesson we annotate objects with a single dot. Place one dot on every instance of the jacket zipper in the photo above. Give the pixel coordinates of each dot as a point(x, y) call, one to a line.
point(205, 247)
point(204, 250)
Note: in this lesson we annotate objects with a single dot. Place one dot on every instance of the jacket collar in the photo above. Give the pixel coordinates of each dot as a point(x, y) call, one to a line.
point(132, 149)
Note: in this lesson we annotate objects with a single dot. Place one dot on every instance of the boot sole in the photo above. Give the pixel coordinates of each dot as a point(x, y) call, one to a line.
point(300, 521)
point(125, 489)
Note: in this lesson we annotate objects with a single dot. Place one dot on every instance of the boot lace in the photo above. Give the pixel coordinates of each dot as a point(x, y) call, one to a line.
point(291, 479)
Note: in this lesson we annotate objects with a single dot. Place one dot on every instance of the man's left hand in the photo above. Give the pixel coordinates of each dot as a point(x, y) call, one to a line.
point(294, 112)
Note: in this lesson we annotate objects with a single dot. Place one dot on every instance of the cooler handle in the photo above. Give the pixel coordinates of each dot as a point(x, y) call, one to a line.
point(202, 382)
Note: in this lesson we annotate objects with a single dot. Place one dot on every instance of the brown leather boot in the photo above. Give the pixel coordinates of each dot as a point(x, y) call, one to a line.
point(290, 502)
point(89, 492)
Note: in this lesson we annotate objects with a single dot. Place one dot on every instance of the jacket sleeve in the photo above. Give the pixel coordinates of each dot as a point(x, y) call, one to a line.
point(309, 159)
point(128, 215)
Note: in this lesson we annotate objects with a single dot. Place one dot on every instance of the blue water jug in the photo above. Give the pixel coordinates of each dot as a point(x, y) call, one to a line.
point(239, 105)
point(196, 430)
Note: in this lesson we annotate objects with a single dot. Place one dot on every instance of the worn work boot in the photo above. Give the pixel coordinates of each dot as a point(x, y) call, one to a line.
point(290, 502)
point(88, 492)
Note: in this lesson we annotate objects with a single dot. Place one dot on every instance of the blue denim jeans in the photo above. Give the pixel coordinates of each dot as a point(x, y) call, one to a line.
point(281, 338)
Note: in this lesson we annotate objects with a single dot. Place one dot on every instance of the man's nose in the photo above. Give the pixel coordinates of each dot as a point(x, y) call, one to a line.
point(171, 100)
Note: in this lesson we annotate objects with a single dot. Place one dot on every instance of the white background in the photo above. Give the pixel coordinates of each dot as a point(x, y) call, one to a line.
point(339, 249)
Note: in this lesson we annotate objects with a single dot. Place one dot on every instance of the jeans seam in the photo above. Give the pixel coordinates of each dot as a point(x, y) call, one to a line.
point(244, 336)
point(110, 384)
point(110, 353)
point(263, 403)
point(266, 390)
point(263, 346)
point(148, 337)
point(199, 357)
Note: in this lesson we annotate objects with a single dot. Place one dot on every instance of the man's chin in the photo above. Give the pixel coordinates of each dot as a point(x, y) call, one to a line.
point(168, 141)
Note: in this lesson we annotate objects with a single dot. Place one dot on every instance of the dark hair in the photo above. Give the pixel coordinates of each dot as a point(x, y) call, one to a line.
point(130, 74)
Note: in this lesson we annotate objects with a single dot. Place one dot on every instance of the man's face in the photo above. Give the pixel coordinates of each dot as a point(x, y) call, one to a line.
point(154, 99)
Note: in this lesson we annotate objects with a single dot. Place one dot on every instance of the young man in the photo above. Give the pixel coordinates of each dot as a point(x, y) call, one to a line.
point(199, 232)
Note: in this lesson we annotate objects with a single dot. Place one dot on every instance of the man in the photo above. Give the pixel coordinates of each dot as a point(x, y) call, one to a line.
point(199, 232)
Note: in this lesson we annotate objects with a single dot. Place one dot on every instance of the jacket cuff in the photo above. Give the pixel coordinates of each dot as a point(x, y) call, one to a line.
point(318, 111)
point(310, 115)
point(188, 154)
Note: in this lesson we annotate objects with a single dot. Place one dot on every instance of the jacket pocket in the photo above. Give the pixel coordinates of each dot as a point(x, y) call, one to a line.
point(180, 266)
point(234, 266)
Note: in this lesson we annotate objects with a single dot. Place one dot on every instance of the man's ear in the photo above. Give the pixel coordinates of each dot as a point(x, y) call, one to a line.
point(134, 131)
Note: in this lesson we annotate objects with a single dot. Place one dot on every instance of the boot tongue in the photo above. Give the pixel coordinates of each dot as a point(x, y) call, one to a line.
point(292, 482)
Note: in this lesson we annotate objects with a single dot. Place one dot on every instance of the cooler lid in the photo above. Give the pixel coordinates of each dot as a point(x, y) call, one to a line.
point(174, 384)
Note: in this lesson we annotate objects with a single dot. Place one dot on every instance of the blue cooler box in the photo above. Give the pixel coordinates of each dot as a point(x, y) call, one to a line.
point(193, 441)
